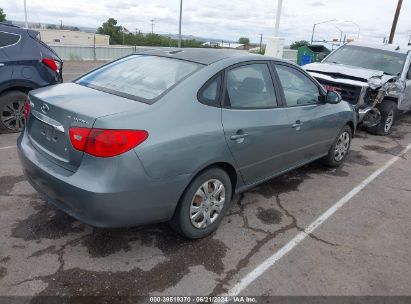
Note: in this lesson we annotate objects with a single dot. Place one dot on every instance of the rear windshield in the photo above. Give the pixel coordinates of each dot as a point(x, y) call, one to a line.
point(390, 63)
point(139, 77)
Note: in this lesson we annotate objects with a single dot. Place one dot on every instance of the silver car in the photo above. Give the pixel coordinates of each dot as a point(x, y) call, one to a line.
point(173, 135)
point(375, 79)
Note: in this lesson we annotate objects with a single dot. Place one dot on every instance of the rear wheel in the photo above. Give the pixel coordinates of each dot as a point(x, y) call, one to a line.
point(388, 110)
point(203, 204)
point(340, 148)
point(12, 111)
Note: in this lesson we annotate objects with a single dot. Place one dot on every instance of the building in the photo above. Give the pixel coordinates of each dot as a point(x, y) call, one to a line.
point(68, 37)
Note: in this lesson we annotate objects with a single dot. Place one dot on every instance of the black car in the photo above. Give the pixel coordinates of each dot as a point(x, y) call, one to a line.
point(26, 63)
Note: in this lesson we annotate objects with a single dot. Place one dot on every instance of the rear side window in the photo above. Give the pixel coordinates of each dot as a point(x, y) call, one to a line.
point(250, 86)
point(209, 94)
point(7, 39)
point(139, 77)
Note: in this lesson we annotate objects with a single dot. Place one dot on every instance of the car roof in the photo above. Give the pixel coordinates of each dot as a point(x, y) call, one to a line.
point(386, 47)
point(205, 56)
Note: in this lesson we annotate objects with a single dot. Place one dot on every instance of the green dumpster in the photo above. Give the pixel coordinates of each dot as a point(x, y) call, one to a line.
point(311, 53)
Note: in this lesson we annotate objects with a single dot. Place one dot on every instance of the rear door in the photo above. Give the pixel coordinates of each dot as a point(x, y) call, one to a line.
point(312, 121)
point(254, 122)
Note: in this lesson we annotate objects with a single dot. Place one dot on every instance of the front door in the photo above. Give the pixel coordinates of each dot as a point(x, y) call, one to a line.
point(312, 121)
point(406, 101)
point(254, 124)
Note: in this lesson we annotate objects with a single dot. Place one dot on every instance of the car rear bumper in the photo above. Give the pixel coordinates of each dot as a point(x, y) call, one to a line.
point(103, 192)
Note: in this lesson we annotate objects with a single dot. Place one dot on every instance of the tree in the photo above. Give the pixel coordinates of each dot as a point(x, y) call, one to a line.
point(244, 40)
point(111, 28)
point(2, 15)
point(296, 44)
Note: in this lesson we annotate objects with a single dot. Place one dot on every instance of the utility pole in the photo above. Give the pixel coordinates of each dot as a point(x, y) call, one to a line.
point(261, 41)
point(179, 25)
point(277, 19)
point(152, 26)
point(341, 35)
point(25, 15)
point(394, 22)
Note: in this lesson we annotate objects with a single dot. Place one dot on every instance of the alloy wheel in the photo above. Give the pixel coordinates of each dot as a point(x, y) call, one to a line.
point(389, 121)
point(12, 115)
point(342, 146)
point(207, 203)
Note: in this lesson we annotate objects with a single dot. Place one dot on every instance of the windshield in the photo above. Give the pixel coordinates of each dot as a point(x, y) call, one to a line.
point(369, 58)
point(139, 77)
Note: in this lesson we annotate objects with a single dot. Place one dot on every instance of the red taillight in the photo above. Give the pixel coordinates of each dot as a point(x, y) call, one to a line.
point(52, 64)
point(106, 143)
point(26, 112)
point(78, 137)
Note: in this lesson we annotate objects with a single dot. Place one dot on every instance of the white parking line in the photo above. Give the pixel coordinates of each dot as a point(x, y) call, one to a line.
point(264, 266)
point(8, 147)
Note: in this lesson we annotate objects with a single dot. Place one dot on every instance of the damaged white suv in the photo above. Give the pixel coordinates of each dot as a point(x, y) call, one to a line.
point(375, 79)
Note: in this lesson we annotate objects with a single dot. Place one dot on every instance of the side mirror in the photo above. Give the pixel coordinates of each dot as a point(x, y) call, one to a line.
point(333, 97)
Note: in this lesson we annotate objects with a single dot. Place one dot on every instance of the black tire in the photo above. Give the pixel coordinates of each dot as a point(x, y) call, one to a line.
point(181, 221)
point(331, 160)
point(388, 110)
point(11, 111)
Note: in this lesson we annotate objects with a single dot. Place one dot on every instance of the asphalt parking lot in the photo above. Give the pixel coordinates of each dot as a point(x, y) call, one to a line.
point(362, 248)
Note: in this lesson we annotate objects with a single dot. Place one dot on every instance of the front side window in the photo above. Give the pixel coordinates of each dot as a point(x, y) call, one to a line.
point(298, 88)
point(139, 76)
point(250, 86)
point(7, 39)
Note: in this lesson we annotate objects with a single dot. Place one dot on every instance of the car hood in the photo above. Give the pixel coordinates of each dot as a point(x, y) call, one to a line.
point(374, 78)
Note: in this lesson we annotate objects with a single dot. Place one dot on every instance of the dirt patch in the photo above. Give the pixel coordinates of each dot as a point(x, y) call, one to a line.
point(383, 150)
point(282, 184)
point(397, 134)
point(50, 249)
point(180, 253)
point(5, 259)
point(357, 158)
point(105, 242)
point(7, 183)
point(361, 134)
point(3, 272)
point(47, 223)
point(318, 168)
point(269, 216)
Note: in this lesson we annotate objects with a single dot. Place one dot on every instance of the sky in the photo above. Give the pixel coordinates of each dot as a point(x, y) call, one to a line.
point(227, 20)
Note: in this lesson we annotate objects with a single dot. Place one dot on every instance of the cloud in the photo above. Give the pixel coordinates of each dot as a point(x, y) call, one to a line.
point(317, 3)
point(226, 20)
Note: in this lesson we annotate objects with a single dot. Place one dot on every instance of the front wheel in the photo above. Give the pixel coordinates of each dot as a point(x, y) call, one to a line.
point(203, 204)
point(340, 148)
point(388, 110)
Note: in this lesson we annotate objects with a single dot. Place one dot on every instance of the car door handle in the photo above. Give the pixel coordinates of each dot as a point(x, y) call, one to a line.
point(297, 124)
point(238, 136)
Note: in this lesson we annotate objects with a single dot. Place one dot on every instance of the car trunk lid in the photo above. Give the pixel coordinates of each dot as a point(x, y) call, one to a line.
point(57, 108)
